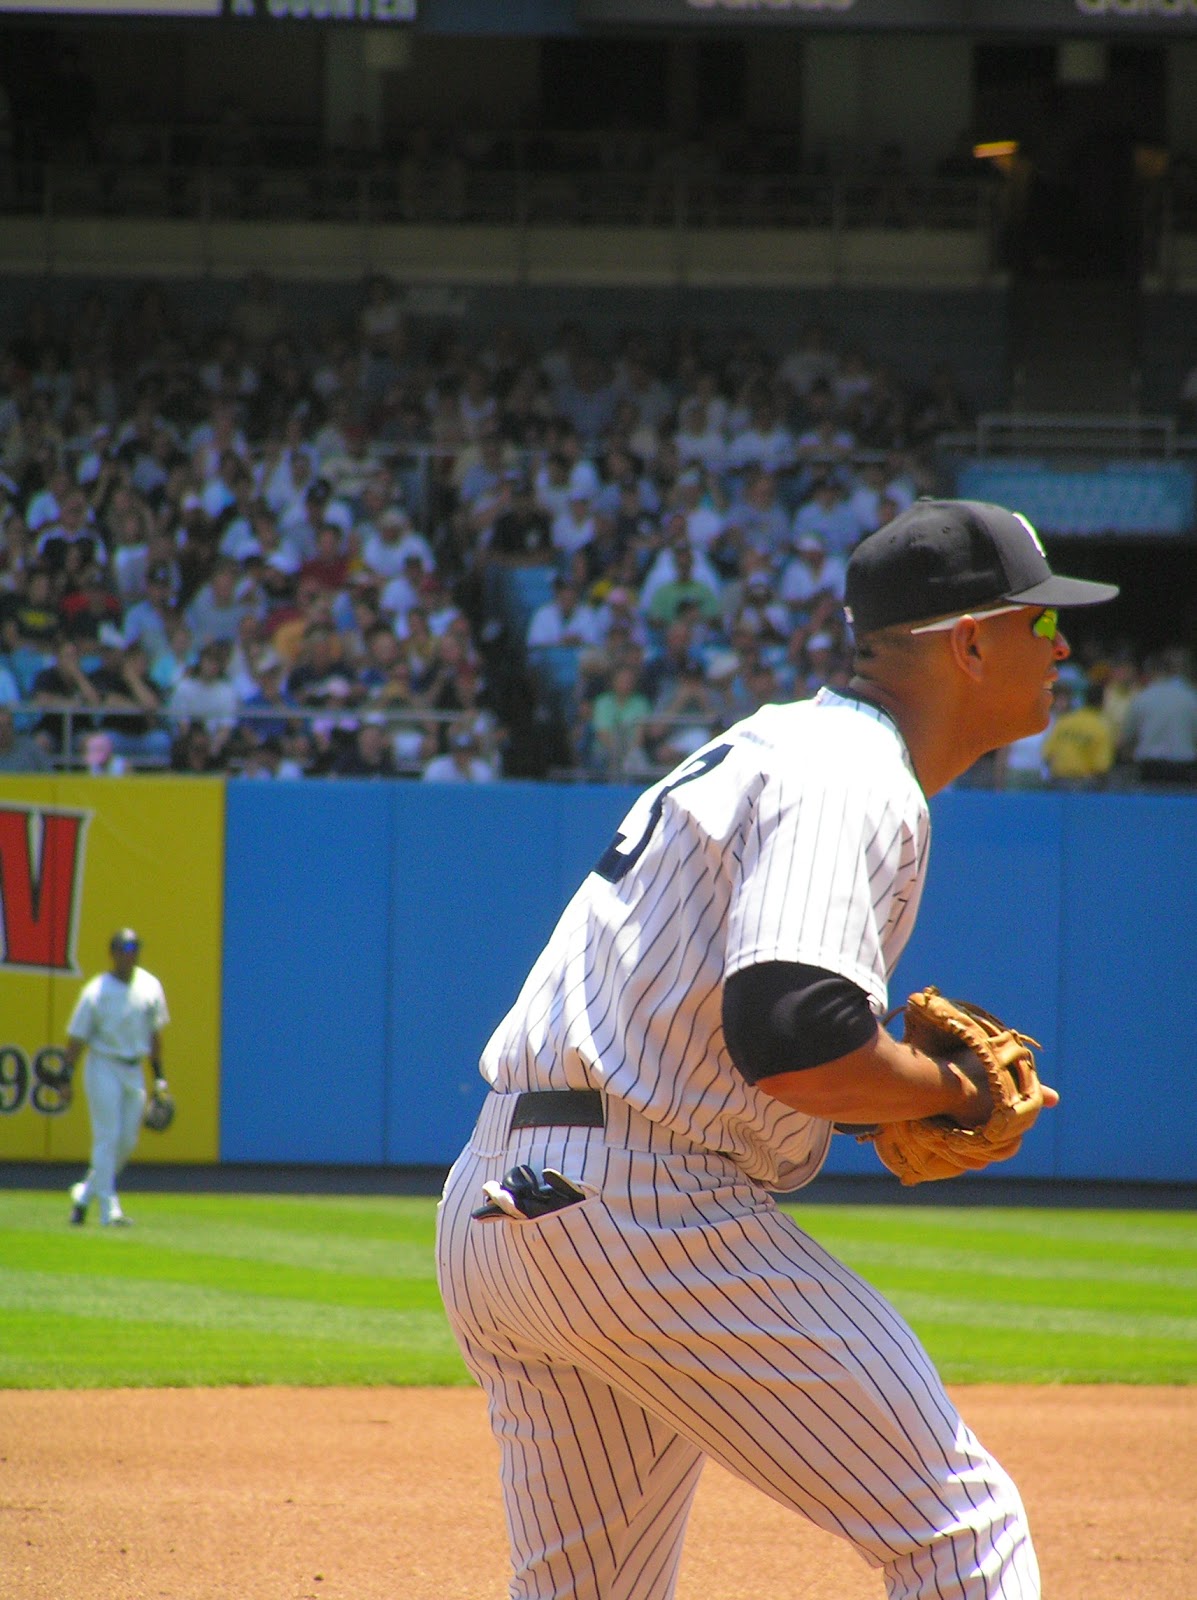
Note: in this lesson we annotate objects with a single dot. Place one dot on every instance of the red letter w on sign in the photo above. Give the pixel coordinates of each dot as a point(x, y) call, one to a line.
point(41, 882)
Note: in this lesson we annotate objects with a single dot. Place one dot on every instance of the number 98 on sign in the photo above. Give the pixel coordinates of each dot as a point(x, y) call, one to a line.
point(36, 1082)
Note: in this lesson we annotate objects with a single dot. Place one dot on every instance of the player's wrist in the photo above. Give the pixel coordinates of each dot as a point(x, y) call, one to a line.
point(974, 1101)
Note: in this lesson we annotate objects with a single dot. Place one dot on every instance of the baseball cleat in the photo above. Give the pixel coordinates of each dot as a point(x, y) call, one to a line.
point(78, 1206)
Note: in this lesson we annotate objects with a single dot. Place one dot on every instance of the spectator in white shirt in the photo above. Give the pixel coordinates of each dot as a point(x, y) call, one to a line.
point(285, 480)
point(218, 607)
point(563, 620)
point(406, 589)
point(574, 528)
point(621, 610)
point(812, 582)
point(393, 543)
point(878, 497)
point(698, 440)
point(828, 517)
point(664, 568)
point(705, 522)
point(148, 621)
point(205, 694)
point(765, 442)
point(551, 484)
point(463, 763)
point(758, 520)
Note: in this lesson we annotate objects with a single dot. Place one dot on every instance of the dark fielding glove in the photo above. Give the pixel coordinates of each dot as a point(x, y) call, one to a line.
point(937, 1147)
point(525, 1194)
point(159, 1109)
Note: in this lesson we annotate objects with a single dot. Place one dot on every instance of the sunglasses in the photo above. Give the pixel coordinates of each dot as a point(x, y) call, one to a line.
point(1045, 626)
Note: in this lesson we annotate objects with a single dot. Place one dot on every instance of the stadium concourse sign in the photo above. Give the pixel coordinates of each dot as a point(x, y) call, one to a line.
point(378, 13)
point(942, 16)
point(375, 13)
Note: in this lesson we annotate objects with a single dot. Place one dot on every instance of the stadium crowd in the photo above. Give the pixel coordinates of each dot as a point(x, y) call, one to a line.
point(273, 551)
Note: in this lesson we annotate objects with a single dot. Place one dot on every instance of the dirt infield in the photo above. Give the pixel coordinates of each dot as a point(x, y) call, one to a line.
point(390, 1494)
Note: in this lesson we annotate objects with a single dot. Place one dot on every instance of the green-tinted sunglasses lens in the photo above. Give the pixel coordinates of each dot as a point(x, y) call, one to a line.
point(1047, 624)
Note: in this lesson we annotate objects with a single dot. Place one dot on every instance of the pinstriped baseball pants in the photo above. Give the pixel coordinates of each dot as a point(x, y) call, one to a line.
point(676, 1314)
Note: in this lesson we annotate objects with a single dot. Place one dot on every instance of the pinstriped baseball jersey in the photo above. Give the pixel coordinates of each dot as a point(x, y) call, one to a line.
point(669, 1310)
point(799, 835)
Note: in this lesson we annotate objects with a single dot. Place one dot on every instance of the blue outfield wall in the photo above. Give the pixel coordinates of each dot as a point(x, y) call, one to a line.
point(376, 933)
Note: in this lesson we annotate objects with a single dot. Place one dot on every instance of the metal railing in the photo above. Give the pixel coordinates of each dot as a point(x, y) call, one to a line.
point(64, 727)
point(516, 197)
point(1003, 433)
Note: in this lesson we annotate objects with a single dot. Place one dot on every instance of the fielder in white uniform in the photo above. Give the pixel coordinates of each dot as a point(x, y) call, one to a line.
point(616, 1270)
point(118, 1019)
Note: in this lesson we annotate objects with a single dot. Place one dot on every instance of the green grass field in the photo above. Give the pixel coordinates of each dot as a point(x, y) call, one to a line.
point(247, 1289)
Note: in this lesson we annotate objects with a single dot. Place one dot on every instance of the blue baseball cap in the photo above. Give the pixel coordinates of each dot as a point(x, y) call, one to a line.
point(124, 939)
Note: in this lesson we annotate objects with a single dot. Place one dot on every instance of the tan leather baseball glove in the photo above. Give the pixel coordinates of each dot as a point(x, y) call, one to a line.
point(937, 1147)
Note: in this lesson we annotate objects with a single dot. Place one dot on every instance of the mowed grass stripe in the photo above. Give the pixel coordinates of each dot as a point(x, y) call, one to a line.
point(124, 1260)
point(302, 1289)
point(388, 1237)
point(1039, 1231)
point(1041, 1319)
point(1031, 1296)
point(1057, 1266)
point(100, 1352)
point(997, 1355)
point(202, 1306)
point(1004, 1284)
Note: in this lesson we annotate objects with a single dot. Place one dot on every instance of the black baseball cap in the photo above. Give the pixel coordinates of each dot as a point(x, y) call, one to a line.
point(124, 939)
point(943, 556)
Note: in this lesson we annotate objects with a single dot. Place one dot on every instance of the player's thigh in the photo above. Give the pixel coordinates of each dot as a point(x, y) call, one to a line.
point(103, 1090)
point(133, 1098)
point(773, 1358)
point(596, 1490)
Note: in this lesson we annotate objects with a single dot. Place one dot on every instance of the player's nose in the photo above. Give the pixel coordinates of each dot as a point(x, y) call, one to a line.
point(1062, 649)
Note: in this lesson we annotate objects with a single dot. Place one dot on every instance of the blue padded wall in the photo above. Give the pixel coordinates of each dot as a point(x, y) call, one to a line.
point(376, 933)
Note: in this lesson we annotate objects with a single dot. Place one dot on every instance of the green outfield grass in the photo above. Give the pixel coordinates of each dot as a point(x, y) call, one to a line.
point(248, 1289)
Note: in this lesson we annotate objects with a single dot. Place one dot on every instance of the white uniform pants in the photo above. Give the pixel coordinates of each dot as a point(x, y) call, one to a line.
point(677, 1314)
point(115, 1103)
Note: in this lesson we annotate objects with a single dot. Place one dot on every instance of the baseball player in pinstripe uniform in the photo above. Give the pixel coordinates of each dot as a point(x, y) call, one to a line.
point(615, 1267)
point(118, 1019)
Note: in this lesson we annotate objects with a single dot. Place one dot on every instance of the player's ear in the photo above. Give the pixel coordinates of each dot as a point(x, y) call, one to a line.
point(966, 648)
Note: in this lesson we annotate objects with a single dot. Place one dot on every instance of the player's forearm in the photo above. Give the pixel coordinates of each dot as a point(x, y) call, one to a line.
point(882, 1081)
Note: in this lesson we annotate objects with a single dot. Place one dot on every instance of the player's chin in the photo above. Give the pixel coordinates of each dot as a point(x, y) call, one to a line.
point(1039, 714)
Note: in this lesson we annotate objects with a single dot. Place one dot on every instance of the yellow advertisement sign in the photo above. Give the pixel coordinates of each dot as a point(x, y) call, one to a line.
point(79, 858)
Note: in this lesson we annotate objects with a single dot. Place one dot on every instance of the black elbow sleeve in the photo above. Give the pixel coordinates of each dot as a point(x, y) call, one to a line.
point(784, 1016)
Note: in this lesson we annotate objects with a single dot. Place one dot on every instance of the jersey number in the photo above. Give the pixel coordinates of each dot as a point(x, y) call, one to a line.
point(615, 861)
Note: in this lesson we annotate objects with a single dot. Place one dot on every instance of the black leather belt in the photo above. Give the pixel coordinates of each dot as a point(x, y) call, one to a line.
point(558, 1108)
